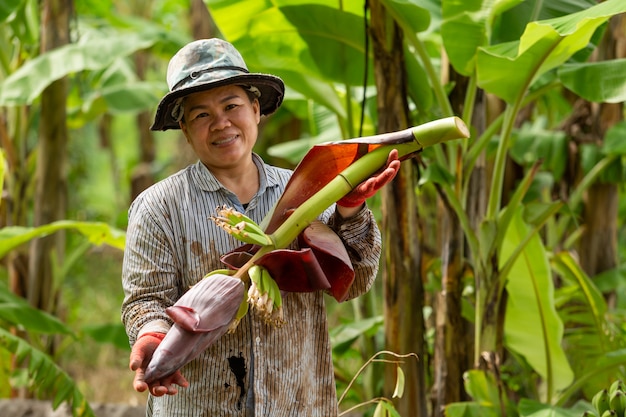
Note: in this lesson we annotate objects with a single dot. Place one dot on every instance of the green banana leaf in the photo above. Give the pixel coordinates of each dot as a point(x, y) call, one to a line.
point(7, 7)
point(329, 32)
point(51, 380)
point(271, 43)
point(130, 96)
point(483, 389)
point(412, 13)
point(294, 40)
point(413, 16)
point(535, 141)
point(17, 311)
point(584, 312)
point(97, 233)
point(467, 25)
point(274, 46)
point(544, 46)
point(600, 82)
point(343, 336)
point(113, 333)
point(530, 408)
point(532, 326)
point(26, 83)
point(512, 23)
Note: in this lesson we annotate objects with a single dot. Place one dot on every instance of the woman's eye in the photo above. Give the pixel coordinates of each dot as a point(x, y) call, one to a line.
point(231, 106)
point(201, 115)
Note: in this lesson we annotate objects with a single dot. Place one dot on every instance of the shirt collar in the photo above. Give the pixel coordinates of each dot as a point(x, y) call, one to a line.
point(207, 181)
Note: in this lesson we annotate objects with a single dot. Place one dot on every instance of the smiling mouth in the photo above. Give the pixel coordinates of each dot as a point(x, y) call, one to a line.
point(225, 141)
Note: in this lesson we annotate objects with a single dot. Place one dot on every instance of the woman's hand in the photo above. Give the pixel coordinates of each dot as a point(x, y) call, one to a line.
point(140, 356)
point(351, 203)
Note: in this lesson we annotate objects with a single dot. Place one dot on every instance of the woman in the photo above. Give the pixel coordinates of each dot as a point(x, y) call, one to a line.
point(260, 369)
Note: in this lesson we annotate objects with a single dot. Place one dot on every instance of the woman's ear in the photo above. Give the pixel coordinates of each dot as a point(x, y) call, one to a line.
point(183, 128)
point(257, 110)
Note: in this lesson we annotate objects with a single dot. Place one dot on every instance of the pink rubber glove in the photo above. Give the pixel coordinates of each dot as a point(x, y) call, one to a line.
point(370, 186)
point(140, 356)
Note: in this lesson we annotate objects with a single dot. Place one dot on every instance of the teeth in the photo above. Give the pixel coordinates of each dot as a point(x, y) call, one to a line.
point(221, 142)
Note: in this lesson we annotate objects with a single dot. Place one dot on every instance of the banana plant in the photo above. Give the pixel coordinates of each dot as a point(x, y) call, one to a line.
point(541, 49)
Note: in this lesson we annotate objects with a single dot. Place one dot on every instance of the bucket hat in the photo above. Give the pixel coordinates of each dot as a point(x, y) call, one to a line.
point(209, 63)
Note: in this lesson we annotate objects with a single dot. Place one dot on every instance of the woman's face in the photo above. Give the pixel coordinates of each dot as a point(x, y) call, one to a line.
point(221, 125)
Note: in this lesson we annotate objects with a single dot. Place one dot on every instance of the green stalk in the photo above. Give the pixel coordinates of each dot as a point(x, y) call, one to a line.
point(427, 134)
point(416, 138)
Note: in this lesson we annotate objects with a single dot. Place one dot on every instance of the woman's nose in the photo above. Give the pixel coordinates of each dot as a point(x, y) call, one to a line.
point(220, 121)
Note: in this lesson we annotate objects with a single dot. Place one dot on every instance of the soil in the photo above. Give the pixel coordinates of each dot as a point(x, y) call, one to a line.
point(34, 408)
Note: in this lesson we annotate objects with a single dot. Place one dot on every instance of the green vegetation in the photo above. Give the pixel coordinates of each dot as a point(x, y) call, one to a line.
point(519, 229)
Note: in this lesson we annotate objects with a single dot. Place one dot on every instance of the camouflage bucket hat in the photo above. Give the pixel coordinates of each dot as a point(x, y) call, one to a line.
point(209, 63)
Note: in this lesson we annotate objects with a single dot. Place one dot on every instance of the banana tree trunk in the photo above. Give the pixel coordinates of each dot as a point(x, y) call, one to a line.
point(402, 280)
point(142, 175)
point(453, 348)
point(50, 175)
point(598, 245)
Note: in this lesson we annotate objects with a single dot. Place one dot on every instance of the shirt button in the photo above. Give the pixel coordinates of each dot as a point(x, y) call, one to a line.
point(258, 340)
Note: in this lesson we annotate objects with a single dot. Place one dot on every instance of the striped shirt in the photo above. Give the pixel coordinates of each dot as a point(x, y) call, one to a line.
point(258, 370)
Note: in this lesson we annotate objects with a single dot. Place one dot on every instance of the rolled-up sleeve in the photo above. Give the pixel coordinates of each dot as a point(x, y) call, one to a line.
point(149, 274)
point(362, 239)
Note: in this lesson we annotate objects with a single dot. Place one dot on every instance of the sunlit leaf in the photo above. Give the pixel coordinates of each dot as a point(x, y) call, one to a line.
point(51, 380)
point(246, 11)
point(399, 390)
point(329, 31)
point(528, 407)
point(466, 27)
point(18, 312)
point(379, 411)
point(7, 7)
point(26, 83)
point(600, 82)
point(344, 335)
point(411, 12)
point(614, 143)
point(544, 45)
point(530, 288)
point(512, 23)
point(97, 233)
point(469, 409)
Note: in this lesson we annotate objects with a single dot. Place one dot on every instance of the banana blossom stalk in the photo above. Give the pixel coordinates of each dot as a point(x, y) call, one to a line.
point(328, 172)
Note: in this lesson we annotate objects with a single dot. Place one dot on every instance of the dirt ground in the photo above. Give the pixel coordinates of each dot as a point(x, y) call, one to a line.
point(33, 408)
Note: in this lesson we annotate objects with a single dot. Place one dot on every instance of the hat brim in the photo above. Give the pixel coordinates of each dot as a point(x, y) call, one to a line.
point(271, 87)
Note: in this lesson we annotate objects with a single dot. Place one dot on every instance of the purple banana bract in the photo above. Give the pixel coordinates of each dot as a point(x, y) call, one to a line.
point(201, 316)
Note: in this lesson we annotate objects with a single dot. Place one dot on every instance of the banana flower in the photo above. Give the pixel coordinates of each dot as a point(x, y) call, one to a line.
point(327, 173)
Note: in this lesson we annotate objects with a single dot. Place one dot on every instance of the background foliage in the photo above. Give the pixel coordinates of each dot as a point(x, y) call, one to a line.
point(536, 195)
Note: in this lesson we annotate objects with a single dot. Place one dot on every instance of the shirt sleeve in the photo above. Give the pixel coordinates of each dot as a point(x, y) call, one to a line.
point(361, 237)
point(149, 273)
